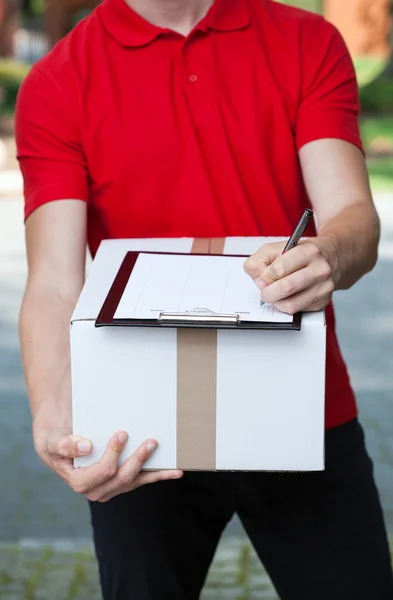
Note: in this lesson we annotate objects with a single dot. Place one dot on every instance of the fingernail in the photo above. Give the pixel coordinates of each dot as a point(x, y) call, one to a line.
point(176, 476)
point(84, 447)
point(122, 437)
point(151, 446)
point(261, 284)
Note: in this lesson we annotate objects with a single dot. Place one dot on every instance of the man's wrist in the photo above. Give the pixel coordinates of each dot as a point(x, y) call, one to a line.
point(328, 245)
point(49, 416)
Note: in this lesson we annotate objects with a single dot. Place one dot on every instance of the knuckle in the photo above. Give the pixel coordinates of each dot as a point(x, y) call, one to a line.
point(92, 497)
point(330, 287)
point(125, 479)
point(116, 449)
point(137, 483)
point(316, 306)
point(289, 307)
point(249, 264)
point(80, 488)
point(63, 447)
point(109, 471)
point(141, 456)
point(252, 267)
point(287, 287)
point(324, 270)
point(271, 273)
point(313, 250)
point(278, 270)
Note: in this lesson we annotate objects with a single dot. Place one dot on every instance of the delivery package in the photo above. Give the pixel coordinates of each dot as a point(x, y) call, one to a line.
point(170, 341)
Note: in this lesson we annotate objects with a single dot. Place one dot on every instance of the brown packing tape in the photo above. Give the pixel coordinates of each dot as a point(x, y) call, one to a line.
point(196, 387)
point(196, 399)
point(200, 246)
point(217, 246)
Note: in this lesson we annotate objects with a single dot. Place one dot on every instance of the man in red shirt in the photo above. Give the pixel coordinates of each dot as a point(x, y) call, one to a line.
point(172, 118)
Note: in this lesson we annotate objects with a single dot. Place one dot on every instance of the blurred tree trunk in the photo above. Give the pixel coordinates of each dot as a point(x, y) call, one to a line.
point(58, 20)
point(59, 15)
point(9, 21)
point(388, 71)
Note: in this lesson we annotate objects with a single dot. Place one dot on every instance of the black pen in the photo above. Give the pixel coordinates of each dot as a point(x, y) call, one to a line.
point(297, 234)
point(299, 231)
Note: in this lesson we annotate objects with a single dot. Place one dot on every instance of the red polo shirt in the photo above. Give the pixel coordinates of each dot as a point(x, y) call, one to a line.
point(166, 136)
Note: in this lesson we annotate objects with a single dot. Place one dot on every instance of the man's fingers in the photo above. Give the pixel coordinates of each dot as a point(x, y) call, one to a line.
point(135, 463)
point(103, 470)
point(288, 286)
point(290, 262)
point(258, 262)
point(68, 446)
point(126, 474)
point(312, 299)
point(140, 480)
point(266, 271)
point(153, 477)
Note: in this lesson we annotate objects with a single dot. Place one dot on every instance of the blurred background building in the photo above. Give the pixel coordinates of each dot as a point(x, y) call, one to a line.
point(44, 529)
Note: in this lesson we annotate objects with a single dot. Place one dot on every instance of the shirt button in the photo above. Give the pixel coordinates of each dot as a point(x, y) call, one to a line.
point(193, 78)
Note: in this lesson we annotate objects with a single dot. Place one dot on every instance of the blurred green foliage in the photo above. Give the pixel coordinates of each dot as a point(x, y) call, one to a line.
point(12, 74)
point(377, 135)
point(376, 89)
point(314, 5)
point(377, 128)
point(368, 69)
point(37, 6)
point(32, 8)
point(381, 174)
point(377, 97)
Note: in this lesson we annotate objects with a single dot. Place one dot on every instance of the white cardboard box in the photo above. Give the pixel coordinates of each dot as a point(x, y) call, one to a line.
point(270, 385)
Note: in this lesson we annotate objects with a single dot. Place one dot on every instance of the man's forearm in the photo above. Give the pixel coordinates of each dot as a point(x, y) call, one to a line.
point(44, 332)
point(350, 243)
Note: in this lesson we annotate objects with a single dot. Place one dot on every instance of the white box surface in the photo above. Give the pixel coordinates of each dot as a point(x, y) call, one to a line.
point(270, 385)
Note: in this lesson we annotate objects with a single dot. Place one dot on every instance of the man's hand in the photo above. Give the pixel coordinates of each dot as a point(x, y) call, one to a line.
point(302, 279)
point(57, 448)
point(346, 248)
point(56, 244)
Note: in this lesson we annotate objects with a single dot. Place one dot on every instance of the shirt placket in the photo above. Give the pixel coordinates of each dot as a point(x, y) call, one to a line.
point(197, 83)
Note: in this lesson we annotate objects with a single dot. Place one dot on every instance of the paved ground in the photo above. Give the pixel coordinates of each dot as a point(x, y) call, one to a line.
point(55, 572)
point(36, 506)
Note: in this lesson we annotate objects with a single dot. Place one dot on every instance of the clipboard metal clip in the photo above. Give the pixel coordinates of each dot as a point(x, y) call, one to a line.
point(198, 315)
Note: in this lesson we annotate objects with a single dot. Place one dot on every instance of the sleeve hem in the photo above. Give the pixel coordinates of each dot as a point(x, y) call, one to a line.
point(38, 199)
point(330, 134)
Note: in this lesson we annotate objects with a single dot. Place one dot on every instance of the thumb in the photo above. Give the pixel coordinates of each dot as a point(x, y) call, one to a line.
point(67, 446)
point(257, 266)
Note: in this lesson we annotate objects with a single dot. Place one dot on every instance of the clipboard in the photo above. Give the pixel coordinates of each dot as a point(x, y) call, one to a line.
point(201, 317)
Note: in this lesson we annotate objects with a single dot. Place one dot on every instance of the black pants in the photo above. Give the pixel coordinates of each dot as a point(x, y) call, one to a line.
point(321, 536)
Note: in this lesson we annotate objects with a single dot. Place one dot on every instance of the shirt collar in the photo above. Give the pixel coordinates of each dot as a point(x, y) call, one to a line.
point(130, 29)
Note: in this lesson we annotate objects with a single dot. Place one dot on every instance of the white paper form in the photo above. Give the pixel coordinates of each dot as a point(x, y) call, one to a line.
point(181, 283)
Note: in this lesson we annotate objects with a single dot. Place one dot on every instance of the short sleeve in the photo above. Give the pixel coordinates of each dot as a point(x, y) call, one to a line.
point(48, 142)
point(329, 106)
